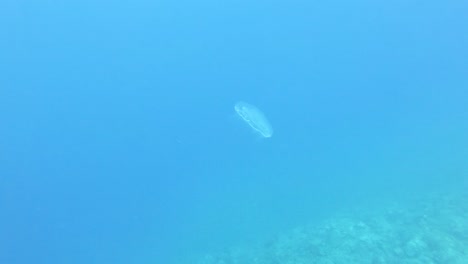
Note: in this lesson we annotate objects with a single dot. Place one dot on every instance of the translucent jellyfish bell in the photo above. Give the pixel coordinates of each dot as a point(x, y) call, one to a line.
point(254, 118)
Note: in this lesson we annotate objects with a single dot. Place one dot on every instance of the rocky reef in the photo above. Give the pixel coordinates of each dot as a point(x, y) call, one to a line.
point(432, 230)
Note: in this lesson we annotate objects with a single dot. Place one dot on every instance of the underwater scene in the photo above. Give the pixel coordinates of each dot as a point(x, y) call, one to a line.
point(234, 132)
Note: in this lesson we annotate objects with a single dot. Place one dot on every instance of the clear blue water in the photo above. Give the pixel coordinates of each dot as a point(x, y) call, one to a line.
point(119, 142)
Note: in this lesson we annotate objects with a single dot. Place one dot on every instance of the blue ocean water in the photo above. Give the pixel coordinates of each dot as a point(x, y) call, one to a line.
point(119, 142)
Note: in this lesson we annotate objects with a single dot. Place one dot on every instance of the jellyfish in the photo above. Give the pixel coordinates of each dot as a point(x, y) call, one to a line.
point(254, 118)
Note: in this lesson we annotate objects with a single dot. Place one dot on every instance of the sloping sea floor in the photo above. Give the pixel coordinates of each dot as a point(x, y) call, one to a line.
point(430, 230)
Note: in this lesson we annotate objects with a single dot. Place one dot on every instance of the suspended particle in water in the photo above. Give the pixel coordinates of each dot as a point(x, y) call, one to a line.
point(254, 118)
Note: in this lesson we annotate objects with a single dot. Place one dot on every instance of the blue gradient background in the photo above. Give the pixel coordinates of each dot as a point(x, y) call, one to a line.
point(119, 142)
